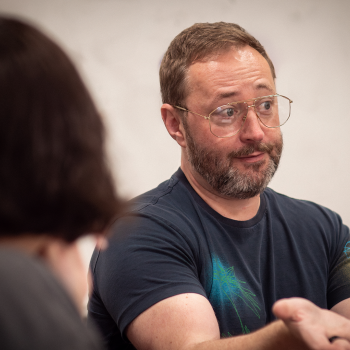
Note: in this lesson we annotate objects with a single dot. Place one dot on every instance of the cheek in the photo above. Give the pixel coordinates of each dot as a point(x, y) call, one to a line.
point(273, 136)
point(196, 125)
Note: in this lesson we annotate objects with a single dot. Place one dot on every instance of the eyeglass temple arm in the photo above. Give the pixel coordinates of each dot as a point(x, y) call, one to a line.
point(186, 110)
point(290, 101)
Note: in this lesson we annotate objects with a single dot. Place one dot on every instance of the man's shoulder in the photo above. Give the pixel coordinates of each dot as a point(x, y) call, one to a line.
point(169, 207)
point(163, 191)
point(172, 194)
point(304, 209)
point(281, 198)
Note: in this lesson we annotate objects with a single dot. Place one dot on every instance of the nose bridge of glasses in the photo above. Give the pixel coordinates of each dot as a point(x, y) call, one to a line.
point(253, 107)
point(247, 110)
point(253, 127)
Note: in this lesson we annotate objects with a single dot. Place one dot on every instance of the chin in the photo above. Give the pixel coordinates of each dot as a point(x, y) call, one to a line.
point(256, 166)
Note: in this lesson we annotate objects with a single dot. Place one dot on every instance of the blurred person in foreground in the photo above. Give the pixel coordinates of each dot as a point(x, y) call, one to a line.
point(210, 252)
point(55, 187)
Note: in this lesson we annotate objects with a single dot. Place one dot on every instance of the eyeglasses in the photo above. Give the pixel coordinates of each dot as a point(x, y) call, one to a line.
point(273, 111)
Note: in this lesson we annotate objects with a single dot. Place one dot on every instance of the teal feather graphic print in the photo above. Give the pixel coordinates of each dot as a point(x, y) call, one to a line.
point(347, 249)
point(229, 287)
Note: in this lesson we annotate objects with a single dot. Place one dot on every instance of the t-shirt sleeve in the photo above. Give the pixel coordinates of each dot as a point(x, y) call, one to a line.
point(147, 260)
point(339, 269)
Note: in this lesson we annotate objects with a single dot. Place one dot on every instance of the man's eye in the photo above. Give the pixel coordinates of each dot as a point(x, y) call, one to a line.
point(265, 106)
point(229, 112)
point(226, 112)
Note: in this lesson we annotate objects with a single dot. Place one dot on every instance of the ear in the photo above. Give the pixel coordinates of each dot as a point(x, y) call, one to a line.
point(173, 123)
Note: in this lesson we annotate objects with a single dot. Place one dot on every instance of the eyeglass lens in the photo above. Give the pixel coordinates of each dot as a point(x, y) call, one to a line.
point(227, 120)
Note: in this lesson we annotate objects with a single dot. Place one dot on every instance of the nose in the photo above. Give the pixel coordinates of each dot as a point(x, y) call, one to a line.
point(251, 131)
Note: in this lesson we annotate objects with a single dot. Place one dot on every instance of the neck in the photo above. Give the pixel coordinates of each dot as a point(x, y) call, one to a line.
point(27, 243)
point(232, 208)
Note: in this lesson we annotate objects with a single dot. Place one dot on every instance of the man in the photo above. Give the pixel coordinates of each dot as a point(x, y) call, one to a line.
point(200, 261)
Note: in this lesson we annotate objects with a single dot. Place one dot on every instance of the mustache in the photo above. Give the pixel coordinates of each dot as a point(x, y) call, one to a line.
point(249, 149)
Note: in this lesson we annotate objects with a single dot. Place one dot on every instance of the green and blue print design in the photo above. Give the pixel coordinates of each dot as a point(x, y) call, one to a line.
point(228, 287)
point(347, 249)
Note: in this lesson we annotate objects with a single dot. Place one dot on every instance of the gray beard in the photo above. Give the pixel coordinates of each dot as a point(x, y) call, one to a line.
point(227, 180)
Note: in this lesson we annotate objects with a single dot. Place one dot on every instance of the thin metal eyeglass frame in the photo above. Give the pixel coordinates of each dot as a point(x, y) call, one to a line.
point(245, 117)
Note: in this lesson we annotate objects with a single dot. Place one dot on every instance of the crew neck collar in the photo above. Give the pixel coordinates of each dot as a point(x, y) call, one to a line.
point(234, 223)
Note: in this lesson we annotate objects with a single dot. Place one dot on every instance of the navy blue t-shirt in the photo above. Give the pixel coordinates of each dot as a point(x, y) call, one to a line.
point(171, 242)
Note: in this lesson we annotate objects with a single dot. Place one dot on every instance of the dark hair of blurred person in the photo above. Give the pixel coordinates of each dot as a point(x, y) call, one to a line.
point(53, 174)
point(55, 187)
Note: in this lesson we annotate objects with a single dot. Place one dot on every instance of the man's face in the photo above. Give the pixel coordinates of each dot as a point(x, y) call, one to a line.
point(240, 166)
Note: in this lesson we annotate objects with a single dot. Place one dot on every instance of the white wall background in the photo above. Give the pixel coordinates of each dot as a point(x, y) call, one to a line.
point(118, 46)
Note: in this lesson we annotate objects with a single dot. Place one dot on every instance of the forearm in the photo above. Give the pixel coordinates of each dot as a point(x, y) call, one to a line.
point(302, 325)
point(273, 336)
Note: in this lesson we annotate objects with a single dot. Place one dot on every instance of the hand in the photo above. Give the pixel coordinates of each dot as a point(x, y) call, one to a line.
point(313, 325)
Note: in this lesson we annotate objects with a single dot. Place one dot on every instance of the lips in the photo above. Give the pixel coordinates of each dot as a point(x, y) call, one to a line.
point(254, 157)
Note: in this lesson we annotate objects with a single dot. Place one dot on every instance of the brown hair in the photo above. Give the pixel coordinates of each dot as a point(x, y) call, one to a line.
point(196, 43)
point(53, 174)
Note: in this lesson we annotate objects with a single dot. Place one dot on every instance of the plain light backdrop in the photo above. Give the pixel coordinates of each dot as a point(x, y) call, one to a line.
point(118, 45)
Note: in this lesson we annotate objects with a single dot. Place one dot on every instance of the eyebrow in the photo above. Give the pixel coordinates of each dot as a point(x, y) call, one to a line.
point(260, 86)
point(227, 94)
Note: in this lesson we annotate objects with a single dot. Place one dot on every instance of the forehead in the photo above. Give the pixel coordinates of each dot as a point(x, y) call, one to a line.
point(240, 73)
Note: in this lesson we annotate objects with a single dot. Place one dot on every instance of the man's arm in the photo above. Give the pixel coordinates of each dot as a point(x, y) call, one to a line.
point(342, 308)
point(188, 322)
